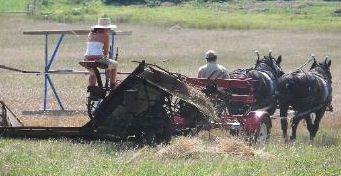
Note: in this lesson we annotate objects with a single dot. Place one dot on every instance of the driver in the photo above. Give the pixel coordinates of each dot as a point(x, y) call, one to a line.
point(212, 69)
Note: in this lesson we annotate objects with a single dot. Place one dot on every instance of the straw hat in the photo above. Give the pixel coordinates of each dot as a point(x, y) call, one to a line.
point(104, 23)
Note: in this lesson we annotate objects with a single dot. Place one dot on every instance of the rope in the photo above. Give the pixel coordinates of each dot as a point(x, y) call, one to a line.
point(300, 67)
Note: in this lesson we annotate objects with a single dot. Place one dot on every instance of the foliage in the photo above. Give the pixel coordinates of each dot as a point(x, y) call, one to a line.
point(147, 2)
point(198, 13)
point(132, 2)
point(201, 14)
point(13, 5)
point(337, 12)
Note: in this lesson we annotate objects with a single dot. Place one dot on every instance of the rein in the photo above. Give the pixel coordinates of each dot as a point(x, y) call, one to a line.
point(300, 67)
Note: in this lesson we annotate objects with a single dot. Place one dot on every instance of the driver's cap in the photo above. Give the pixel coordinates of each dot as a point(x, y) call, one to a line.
point(210, 54)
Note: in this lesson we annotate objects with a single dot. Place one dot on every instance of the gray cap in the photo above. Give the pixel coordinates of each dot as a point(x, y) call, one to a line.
point(210, 54)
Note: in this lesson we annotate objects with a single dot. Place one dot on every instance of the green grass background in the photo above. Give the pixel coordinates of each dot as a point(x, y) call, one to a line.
point(307, 15)
point(13, 5)
point(65, 157)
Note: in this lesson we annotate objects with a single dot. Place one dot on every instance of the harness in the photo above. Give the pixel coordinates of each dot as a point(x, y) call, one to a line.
point(269, 74)
point(269, 78)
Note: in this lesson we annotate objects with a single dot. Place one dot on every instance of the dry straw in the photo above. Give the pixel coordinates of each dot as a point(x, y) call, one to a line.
point(186, 148)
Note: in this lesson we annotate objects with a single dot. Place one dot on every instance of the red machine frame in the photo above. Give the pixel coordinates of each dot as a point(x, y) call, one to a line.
point(254, 122)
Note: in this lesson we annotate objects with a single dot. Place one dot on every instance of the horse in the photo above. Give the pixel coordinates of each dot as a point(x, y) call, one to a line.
point(308, 93)
point(265, 73)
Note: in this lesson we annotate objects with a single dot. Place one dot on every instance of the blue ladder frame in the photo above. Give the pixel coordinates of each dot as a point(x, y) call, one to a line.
point(48, 63)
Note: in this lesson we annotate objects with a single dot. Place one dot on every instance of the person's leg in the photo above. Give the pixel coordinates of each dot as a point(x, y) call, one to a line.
point(113, 76)
point(92, 80)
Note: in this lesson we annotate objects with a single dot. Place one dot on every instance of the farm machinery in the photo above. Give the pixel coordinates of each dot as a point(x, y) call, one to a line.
point(235, 104)
point(152, 104)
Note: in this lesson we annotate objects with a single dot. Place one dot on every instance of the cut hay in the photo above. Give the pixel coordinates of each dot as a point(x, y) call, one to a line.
point(182, 147)
point(232, 146)
point(186, 148)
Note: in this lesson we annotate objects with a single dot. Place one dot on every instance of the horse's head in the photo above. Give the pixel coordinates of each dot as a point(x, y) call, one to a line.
point(322, 68)
point(269, 63)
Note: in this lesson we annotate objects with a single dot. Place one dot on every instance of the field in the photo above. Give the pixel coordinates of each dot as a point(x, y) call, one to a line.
point(178, 49)
point(308, 15)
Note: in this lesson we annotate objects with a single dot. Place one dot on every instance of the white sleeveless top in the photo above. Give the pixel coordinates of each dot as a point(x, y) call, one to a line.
point(94, 49)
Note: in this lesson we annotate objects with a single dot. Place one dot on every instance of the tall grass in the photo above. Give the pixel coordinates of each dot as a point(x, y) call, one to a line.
point(13, 5)
point(234, 15)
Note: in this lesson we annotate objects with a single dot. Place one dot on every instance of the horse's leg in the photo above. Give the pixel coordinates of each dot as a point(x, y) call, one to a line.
point(284, 126)
point(316, 125)
point(284, 120)
point(294, 125)
point(309, 124)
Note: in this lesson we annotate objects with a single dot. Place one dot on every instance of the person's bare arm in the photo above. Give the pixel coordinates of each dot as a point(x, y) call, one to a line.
point(106, 45)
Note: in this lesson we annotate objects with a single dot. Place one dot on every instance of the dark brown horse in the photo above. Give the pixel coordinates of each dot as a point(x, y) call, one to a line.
point(266, 72)
point(308, 93)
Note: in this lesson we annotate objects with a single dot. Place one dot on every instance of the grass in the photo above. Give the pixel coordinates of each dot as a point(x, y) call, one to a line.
point(233, 15)
point(66, 157)
point(244, 15)
point(13, 6)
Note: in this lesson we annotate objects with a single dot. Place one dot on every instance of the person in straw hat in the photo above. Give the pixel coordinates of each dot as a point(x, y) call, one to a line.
point(212, 69)
point(97, 49)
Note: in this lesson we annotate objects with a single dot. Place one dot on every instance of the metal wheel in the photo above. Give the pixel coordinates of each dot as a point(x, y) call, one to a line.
point(96, 93)
point(189, 120)
point(91, 106)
